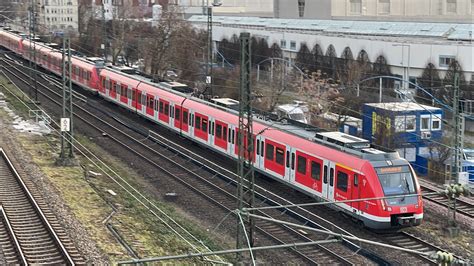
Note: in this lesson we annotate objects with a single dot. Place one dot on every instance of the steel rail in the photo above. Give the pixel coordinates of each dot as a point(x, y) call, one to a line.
point(12, 234)
point(463, 207)
point(36, 207)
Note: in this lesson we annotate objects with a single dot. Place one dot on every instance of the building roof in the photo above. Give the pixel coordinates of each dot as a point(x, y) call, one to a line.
point(403, 106)
point(449, 31)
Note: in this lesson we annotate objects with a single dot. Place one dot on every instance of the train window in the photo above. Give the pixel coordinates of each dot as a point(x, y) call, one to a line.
point(261, 149)
point(315, 170)
point(103, 82)
point(218, 131)
point(144, 99)
point(325, 177)
point(341, 182)
point(258, 147)
point(123, 90)
point(185, 117)
point(204, 125)
point(233, 137)
point(287, 158)
point(167, 109)
point(129, 93)
point(150, 102)
point(161, 107)
point(280, 156)
point(171, 113)
point(157, 103)
point(198, 122)
point(293, 161)
point(192, 120)
point(230, 135)
point(107, 84)
point(356, 180)
point(331, 177)
point(301, 165)
point(224, 134)
point(270, 150)
point(212, 128)
point(177, 114)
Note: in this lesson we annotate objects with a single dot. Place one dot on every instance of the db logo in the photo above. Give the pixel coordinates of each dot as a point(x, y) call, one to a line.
point(403, 209)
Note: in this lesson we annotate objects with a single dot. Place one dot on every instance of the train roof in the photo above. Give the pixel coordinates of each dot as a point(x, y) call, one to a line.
point(403, 106)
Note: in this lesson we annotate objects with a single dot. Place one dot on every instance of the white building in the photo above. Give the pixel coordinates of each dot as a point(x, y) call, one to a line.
point(259, 8)
point(58, 15)
point(379, 10)
point(407, 46)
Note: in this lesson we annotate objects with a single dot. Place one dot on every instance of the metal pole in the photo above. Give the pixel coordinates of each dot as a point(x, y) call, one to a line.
point(458, 131)
point(258, 73)
point(271, 69)
point(380, 90)
point(69, 101)
point(209, 52)
point(245, 143)
point(34, 50)
point(358, 90)
point(63, 134)
point(104, 32)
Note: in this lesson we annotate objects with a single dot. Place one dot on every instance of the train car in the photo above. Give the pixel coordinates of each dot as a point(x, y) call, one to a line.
point(329, 166)
point(11, 41)
point(84, 73)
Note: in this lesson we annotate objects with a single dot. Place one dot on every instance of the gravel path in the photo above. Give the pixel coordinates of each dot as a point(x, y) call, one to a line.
point(74, 228)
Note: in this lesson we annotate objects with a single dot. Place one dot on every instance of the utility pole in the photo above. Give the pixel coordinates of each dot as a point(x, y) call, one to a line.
point(104, 33)
point(209, 52)
point(67, 139)
point(33, 9)
point(458, 132)
point(458, 121)
point(245, 189)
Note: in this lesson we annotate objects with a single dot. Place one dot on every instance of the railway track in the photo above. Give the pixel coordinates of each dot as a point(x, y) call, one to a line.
point(219, 195)
point(463, 207)
point(407, 240)
point(28, 232)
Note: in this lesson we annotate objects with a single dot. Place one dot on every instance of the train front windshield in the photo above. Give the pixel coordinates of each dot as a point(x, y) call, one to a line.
point(396, 180)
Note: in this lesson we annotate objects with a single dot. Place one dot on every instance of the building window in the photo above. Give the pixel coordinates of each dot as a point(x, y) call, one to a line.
point(451, 6)
point(435, 123)
point(293, 45)
point(446, 60)
point(425, 122)
point(283, 44)
point(356, 6)
point(399, 123)
point(301, 4)
point(384, 6)
point(410, 123)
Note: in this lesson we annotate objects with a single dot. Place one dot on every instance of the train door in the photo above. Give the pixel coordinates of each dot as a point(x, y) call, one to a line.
point(171, 121)
point(231, 136)
point(290, 164)
point(355, 194)
point(191, 124)
point(210, 131)
point(259, 149)
point(332, 179)
point(328, 180)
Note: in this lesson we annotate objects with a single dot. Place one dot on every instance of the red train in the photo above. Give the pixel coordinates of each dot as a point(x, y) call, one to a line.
point(332, 166)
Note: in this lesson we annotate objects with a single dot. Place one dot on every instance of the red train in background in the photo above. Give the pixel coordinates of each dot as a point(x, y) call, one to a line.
point(330, 166)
